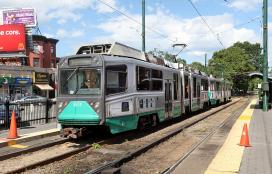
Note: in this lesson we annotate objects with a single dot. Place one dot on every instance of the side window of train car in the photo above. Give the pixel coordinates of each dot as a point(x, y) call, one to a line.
point(204, 85)
point(186, 81)
point(175, 77)
point(194, 85)
point(148, 79)
point(156, 80)
point(116, 79)
point(217, 86)
point(143, 78)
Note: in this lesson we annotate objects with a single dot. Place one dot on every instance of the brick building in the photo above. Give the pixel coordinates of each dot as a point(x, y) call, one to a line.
point(18, 69)
point(43, 54)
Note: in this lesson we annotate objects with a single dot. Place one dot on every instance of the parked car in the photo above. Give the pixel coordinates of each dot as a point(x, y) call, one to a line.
point(11, 108)
point(31, 99)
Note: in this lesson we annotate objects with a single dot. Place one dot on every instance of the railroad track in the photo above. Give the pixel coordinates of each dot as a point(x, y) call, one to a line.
point(128, 156)
point(114, 166)
point(203, 140)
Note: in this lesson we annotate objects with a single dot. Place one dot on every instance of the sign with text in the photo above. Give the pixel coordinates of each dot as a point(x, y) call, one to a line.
point(20, 16)
point(12, 38)
point(23, 81)
point(41, 77)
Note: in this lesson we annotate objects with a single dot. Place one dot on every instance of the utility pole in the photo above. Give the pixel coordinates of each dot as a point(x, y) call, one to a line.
point(259, 59)
point(205, 60)
point(265, 85)
point(143, 25)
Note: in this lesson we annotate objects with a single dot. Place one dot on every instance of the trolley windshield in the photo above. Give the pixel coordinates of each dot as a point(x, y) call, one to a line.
point(85, 81)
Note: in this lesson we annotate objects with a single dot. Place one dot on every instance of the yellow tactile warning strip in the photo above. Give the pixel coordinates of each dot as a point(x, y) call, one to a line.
point(19, 146)
point(229, 157)
point(11, 142)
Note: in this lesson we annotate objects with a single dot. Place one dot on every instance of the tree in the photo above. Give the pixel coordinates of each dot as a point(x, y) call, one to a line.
point(182, 61)
point(253, 51)
point(234, 63)
point(198, 66)
point(163, 54)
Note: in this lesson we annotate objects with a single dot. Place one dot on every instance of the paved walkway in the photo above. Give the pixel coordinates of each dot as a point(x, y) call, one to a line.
point(30, 129)
point(257, 159)
point(232, 158)
point(27, 134)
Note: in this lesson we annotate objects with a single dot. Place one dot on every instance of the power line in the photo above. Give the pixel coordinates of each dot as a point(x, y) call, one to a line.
point(132, 19)
point(205, 22)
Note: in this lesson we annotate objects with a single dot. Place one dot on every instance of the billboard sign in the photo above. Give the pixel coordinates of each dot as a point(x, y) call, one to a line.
point(12, 38)
point(20, 16)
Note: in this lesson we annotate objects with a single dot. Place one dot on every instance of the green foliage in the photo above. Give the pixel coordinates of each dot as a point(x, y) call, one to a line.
point(182, 61)
point(96, 146)
point(163, 54)
point(235, 62)
point(198, 66)
point(253, 83)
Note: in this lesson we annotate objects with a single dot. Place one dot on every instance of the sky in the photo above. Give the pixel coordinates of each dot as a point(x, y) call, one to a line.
point(83, 22)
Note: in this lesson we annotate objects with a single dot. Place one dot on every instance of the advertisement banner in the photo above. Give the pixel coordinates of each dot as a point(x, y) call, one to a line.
point(12, 38)
point(20, 16)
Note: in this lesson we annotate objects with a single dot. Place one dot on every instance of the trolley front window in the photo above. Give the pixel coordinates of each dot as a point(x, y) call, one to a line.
point(80, 81)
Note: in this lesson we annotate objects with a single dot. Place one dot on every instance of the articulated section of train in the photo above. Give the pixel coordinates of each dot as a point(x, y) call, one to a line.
point(119, 88)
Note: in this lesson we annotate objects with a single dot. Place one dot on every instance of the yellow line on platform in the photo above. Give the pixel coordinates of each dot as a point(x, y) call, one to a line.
point(19, 146)
point(229, 157)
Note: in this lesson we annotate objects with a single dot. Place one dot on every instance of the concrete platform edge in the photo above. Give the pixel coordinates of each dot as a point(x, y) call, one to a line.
point(30, 137)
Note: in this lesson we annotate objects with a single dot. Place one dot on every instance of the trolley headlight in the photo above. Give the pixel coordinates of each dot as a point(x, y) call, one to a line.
point(61, 105)
point(95, 105)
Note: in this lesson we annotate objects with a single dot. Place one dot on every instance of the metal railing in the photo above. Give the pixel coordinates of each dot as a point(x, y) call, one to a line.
point(27, 113)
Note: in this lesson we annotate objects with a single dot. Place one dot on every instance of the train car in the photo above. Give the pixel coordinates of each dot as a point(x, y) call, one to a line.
point(219, 91)
point(119, 92)
point(117, 87)
point(227, 90)
point(204, 98)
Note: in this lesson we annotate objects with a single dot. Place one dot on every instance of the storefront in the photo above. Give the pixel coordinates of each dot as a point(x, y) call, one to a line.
point(6, 84)
point(41, 84)
point(22, 87)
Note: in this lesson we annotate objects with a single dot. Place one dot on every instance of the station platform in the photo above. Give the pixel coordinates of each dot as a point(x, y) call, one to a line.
point(29, 133)
point(228, 157)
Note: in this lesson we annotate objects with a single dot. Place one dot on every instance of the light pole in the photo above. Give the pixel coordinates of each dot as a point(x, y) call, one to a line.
point(265, 85)
point(143, 25)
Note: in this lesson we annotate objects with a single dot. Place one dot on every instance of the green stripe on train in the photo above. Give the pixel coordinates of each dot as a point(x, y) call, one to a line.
point(129, 122)
point(78, 110)
point(213, 102)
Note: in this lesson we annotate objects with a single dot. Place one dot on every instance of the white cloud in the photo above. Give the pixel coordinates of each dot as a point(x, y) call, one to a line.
point(102, 8)
point(176, 30)
point(244, 5)
point(61, 33)
point(61, 10)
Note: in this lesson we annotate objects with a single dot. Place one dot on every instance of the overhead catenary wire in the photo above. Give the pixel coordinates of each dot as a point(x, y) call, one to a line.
point(132, 19)
point(205, 22)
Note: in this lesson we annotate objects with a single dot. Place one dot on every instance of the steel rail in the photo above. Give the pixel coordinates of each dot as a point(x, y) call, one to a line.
point(117, 163)
point(129, 156)
point(185, 156)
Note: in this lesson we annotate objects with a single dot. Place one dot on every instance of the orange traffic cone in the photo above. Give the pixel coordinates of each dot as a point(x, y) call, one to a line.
point(13, 127)
point(244, 138)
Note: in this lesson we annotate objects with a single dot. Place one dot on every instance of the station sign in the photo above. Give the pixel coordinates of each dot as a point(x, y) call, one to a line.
point(12, 38)
point(26, 16)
